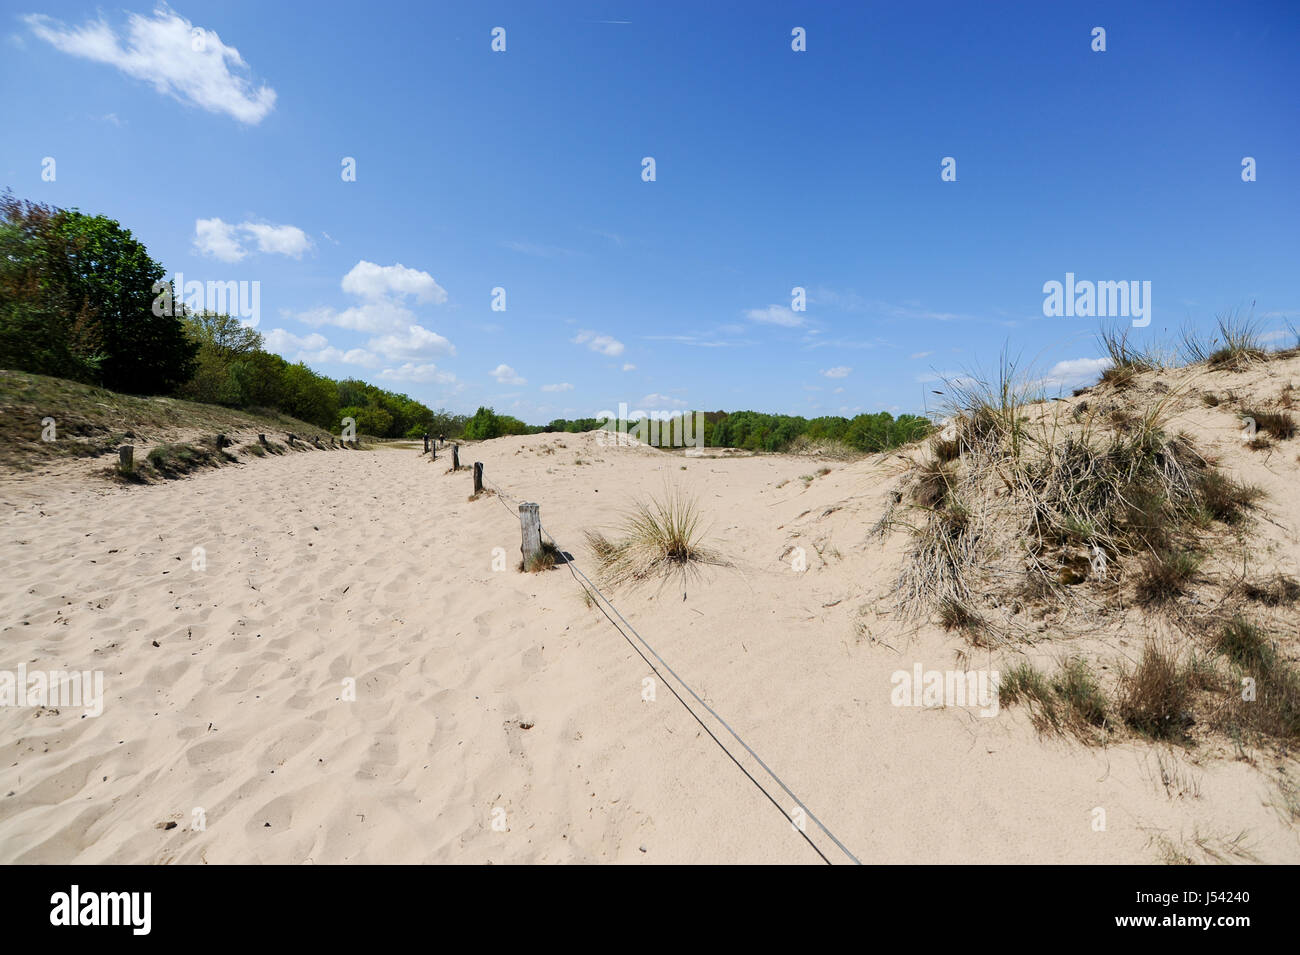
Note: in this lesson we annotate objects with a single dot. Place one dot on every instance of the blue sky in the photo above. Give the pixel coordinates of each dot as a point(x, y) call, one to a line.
point(775, 169)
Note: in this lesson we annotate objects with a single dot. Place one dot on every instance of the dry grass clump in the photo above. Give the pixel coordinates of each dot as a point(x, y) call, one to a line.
point(934, 482)
point(956, 615)
point(176, 460)
point(1126, 360)
point(545, 559)
point(660, 537)
point(1279, 424)
point(1275, 591)
point(1155, 696)
point(1070, 699)
point(1160, 697)
point(1225, 499)
point(1265, 698)
point(942, 555)
point(945, 449)
point(1078, 496)
point(1164, 575)
point(1236, 346)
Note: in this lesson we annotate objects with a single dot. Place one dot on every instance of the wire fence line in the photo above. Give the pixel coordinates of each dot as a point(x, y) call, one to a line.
point(588, 585)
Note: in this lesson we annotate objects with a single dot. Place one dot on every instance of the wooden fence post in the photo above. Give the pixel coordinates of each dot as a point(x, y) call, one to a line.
point(426, 442)
point(433, 452)
point(530, 522)
point(455, 457)
point(478, 477)
point(126, 458)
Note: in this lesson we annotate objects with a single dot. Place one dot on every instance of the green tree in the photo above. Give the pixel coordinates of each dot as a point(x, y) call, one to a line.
point(43, 329)
point(112, 278)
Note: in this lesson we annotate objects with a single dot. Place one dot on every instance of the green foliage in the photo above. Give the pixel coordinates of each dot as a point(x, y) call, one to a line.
point(486, 423)
point(76, 300)
point(756, 431)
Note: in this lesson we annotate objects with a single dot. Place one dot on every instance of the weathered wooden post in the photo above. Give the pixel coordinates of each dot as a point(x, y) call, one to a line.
point(261, 439)
point(455, 457)
point(478, 477)
point(126, 458)
point(530, 522)
point(433, 452)
point(426, 442)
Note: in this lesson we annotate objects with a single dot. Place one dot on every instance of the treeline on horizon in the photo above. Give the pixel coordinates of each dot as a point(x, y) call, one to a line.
point(77, 297)
point(747, 430)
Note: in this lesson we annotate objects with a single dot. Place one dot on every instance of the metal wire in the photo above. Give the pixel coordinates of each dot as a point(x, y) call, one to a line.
point(587, 583)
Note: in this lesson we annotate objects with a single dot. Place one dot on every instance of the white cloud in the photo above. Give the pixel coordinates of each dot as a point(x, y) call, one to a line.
point(775, 315)
point(315, 348)
point(658, 399)
point(217, 239)
point(603, 344)
point(221, 240)
point(418, 342)
point(278, 239)
point(280, 341)
point(179, 59)
point(505, 375)
point(628, 366)
point(420, 373)
point(839, 371)
point(373, 317)
point(1075, 372)
point(920, 354)
point(376, 282)
point(562, 386)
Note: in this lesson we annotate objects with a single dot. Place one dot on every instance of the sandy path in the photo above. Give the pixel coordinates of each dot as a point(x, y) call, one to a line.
point(373, 566)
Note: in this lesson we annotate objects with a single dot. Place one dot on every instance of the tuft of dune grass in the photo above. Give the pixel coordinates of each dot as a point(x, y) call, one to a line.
point(659, 537)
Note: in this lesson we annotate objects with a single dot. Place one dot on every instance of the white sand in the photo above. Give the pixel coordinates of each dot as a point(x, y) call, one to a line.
point(374, 566)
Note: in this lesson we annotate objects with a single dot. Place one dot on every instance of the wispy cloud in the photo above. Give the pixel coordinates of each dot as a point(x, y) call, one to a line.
point(657, 399)
point(839, 371)
point(776, 315)
point(562, 386)
point(604, 344)
point(698, 341)
point(180, 60)
point(539, 250)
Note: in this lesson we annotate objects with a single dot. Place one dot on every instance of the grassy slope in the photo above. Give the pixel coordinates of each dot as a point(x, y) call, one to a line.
point(92, 421)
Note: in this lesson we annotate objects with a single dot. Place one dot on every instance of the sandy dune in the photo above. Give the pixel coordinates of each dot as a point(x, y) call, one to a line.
point(224, 686)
